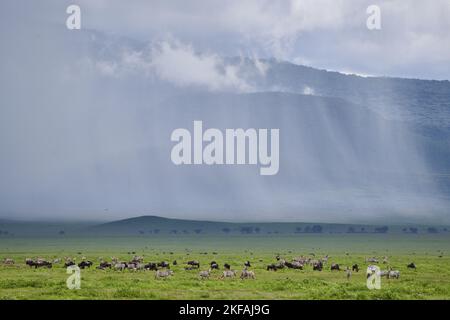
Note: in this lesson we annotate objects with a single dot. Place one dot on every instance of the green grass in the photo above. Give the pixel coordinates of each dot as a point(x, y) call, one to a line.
point(430, 281)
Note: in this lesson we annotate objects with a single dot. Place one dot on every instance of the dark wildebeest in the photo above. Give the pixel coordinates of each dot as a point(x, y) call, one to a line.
point(318, 266)
point(214, 265)
point(163, 264)
point(294, 265)
point(193, 263)
point(84, 264)
point(227, 266)
point(103, 265)
point(174, 262)
point(40, 263)
point(29, 262)
point(247, 264)
point(335, 266)
point(151, 266)
point(355, 267)
point(272, 267)
point(69, 263)
point(412, 266)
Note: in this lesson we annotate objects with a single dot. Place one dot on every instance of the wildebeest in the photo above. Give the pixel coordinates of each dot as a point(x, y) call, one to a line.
point(69, 263)
point(84, 264)
point(38, 263)
point(280, 264)
point(193, 263)
point(29, 262)
point(294, 265)
point(214, 265)
point(227, 266)
point(335, 266)
point(272, 267)
point(411, 266)
point(103, 265)
point(159, 274)
point(355, 267)
point(318, 266)
point(247, 274)
point(163, 264)
point(247, 264)
point(174, 262)
point(151, 266)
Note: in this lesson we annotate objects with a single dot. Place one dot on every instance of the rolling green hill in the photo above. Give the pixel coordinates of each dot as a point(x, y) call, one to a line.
point(160, 226)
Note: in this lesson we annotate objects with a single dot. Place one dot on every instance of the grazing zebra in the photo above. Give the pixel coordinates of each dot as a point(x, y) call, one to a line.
point(120, 266)
point(160, 274)
point(204, 274)
point(393, 274)
point(348, 272)
point(228, 274)
point(247, 274)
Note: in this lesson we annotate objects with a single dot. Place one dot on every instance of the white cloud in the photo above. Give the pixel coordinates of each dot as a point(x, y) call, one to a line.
point(331, 34)
point(308, 90)
point(179, 64)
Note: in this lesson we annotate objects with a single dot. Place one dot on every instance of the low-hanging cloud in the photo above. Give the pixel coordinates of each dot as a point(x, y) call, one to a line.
point(414, 40)
point(179, 64)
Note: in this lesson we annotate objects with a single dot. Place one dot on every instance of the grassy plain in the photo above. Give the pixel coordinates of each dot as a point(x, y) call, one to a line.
point(430, 253)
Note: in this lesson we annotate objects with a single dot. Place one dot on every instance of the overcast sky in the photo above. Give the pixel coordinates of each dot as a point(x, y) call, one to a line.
point(414, 40)
point(77, 128)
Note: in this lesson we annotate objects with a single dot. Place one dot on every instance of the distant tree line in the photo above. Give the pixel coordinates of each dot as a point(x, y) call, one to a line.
point(317, 228)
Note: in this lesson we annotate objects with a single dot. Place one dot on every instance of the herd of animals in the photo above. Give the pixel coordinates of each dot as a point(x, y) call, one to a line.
point(162, 269)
